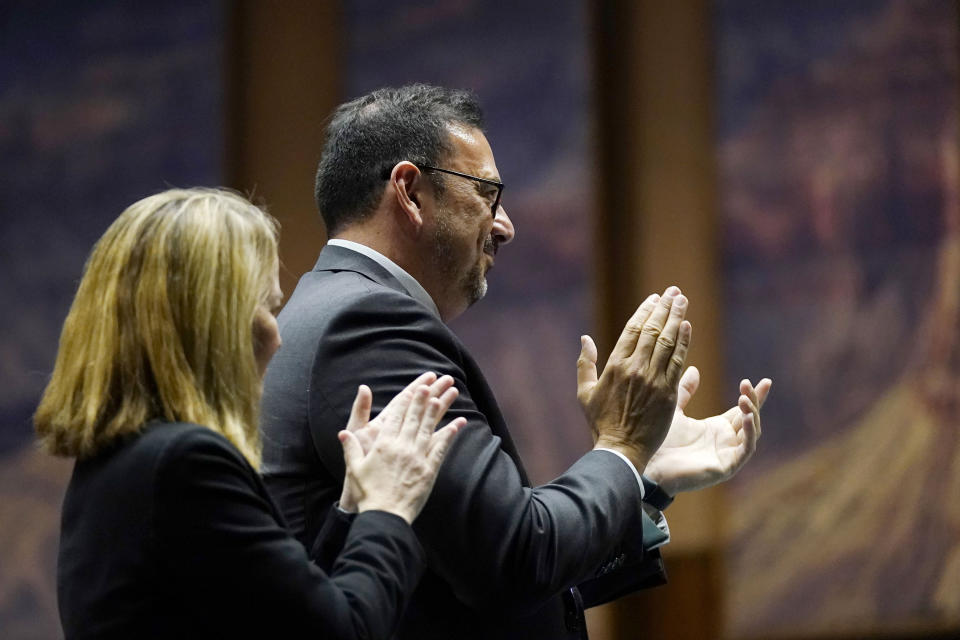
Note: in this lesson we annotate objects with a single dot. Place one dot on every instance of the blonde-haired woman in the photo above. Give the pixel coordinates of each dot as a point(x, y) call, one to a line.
point(167, 529)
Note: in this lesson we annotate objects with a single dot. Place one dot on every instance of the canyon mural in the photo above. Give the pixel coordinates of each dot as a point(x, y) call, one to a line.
point(839, 171)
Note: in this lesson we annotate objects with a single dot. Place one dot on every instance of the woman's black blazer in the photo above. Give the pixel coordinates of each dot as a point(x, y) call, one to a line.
point(171, 534)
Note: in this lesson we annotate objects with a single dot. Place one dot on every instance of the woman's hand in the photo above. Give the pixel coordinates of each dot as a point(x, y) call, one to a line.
point(392, 461)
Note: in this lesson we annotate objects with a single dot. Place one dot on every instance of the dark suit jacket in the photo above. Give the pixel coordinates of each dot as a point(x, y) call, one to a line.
point(502, 556)
point(171, 534)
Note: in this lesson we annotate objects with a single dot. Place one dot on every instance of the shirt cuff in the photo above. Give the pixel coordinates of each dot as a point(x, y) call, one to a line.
point(660, 521)
point(629, 464)
point(336, 505)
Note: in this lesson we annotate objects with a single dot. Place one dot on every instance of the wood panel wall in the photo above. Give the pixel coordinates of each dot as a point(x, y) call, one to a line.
point(284, 62)
point(656, 226)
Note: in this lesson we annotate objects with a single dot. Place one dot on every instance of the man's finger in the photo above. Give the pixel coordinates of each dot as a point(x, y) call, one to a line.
point(360, 412)
point(689, 383)
point(586, 366)
point(627, 342)
point(746, 388)
point(749, 408)
point(668, 342)
point(749, 434)
point(678, 359)
point(763, 390)
point(653, 327)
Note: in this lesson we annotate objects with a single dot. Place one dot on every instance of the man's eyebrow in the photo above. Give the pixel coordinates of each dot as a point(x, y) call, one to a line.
point(489, 177)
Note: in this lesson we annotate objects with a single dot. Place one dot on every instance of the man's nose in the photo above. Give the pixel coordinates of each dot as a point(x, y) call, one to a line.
point(503, 229)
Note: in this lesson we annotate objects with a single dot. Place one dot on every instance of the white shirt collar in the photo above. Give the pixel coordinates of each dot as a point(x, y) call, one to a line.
point(409, 283)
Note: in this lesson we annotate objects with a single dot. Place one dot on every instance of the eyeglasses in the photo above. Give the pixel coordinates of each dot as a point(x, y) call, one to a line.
point(496, 183)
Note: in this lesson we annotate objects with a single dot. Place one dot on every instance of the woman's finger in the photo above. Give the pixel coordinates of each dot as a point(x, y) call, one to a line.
point(436, 409)
point(442, 384)
point(415, 413)
point(440, 443)
point(352, 451)
point(446, 400)
point(397, 407)
point(360, 412)
point(431, 416)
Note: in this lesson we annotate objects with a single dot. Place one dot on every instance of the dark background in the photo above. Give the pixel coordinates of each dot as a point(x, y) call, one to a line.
point(791, 164)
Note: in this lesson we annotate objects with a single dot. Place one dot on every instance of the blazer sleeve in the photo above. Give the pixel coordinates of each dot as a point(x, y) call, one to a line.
point(332, 538)
point(226, 553)
point(634, 565)
point(497, 542)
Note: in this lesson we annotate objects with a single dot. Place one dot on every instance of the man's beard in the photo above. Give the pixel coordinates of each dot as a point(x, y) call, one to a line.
point(475, 284)
point(472, 284)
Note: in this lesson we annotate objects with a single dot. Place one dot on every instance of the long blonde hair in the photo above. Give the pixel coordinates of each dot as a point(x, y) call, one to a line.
point(161, 326)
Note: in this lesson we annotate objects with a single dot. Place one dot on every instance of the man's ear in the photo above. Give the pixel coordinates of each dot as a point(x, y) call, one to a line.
point(408, 184)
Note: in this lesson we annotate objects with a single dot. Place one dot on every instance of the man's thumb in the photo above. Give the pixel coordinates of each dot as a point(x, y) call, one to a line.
point(586, 364)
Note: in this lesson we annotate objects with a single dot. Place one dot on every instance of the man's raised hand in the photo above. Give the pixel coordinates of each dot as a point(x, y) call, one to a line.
point(630, 406)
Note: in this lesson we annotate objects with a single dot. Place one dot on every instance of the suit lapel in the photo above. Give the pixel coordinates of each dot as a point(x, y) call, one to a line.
point(334, 258)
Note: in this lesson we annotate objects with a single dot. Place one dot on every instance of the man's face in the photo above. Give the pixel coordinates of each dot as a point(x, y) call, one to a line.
point(466, 236)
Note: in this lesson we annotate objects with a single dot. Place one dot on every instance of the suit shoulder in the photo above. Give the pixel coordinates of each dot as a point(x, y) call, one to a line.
point(349, 289)
point(383, 305)
point(341, 303)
